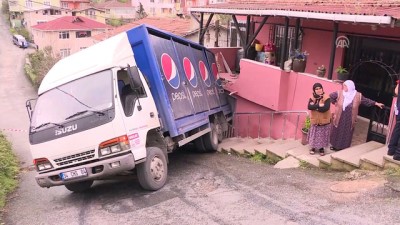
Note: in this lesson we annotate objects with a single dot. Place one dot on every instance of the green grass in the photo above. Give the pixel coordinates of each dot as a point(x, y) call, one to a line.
point(258, 157)
point(393, 171)
point(8, 170)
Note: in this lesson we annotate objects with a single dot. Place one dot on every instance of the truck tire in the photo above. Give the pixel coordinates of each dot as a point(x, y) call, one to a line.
point(152, 173)
point(79, 186)
point(210, 140)
point(200, 145)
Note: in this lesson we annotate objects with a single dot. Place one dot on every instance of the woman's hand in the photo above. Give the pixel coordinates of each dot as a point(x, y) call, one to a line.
point(380, 105)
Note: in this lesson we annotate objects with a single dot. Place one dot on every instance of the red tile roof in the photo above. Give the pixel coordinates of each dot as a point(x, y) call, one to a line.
point(70, 23)
point(177, 26)
point(352, 7)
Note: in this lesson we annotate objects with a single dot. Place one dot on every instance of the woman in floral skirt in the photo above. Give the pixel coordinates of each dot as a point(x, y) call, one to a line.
point(320, 116)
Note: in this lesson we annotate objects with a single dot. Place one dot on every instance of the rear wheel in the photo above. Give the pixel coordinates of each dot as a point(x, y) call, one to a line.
point(210, 140)
point(199, 143)
point(79, 186)
point(152, 173)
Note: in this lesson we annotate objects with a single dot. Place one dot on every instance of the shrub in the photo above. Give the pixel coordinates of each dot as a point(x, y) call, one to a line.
point(8, 170)
point(40, 62)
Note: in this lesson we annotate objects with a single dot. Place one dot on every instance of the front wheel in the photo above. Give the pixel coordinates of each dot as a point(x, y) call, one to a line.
point(79, 186)
point(152, 173)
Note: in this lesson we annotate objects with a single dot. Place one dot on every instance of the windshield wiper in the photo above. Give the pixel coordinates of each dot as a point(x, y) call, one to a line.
point(83, 112)
point(48, 123)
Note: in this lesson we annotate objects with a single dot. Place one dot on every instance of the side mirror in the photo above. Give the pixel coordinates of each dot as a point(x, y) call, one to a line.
point(28, 105)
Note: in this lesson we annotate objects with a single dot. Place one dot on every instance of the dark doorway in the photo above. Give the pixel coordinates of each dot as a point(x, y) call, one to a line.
point(375, 81)
point(374, 65)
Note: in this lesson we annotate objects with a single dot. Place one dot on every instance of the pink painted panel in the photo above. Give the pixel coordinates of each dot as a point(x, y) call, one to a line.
point(229, 55)
point(259, 83)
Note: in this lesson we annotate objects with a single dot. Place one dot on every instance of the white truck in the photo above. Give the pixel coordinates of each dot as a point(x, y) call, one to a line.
point(122, 105)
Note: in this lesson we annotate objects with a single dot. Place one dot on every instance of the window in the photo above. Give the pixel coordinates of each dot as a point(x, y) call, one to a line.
point(152, 11)
point(12, 3)
point(46, 3)
point(128, 93)
point(64, 52)
point(28, 4)
point(83, 34)
point(63, 35)
point(235, 38)
point(64, 5)
point(279, 38)
point(107, 11)
point(41, 21)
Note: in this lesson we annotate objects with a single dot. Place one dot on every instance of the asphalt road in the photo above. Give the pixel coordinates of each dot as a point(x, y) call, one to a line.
point(201, 189)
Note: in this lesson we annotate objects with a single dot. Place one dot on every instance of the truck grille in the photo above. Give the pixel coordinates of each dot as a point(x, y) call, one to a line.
point(75, 158)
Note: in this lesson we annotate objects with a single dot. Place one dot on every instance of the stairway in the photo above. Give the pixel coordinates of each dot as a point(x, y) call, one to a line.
point(368, 156)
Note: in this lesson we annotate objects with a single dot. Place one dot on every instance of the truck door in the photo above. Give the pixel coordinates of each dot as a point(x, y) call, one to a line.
point(140, 113)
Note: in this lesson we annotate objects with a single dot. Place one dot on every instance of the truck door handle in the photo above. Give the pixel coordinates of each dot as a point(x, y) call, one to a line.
point(151, 114)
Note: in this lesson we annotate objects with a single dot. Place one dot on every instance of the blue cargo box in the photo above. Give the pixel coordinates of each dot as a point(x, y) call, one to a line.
point(183, 78)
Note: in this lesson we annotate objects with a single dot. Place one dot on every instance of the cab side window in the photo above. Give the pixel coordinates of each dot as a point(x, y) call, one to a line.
point(129, 95)
point(137, 82)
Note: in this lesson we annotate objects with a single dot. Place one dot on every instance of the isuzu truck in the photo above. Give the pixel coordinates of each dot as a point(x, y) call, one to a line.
point(122, 105)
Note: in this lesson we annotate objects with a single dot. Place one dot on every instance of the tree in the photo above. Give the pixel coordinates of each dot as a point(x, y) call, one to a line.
point(115, 22)
point(141, 13)
point(40, 62)
point(5, 8)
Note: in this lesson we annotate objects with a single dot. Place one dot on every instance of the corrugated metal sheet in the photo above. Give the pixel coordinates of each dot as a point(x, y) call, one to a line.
point(352, 7)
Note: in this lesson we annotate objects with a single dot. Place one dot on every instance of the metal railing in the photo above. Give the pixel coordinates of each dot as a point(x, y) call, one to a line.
point(272, 117)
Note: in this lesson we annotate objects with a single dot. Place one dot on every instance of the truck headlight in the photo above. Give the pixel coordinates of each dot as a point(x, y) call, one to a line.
point(105, 151)
point(114, 145)
point(42, 164)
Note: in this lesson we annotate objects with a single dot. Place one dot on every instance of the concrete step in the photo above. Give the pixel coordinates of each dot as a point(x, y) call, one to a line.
point(303, 153)
point(349, 159)
point(226, 144)
point(325, 161)
point(390, 162)
point(374, 160)
point(251, 149)
point(288, 163)
point(262, 148)
point(280, 148)
point(239, 148)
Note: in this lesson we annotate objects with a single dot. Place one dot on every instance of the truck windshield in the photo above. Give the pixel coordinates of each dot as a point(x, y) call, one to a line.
point(90, 94)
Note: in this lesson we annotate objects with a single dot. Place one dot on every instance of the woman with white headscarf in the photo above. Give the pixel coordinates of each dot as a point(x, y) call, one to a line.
point(347, 102)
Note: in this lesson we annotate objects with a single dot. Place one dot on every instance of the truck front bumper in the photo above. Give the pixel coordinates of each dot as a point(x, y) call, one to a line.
point(95, 171)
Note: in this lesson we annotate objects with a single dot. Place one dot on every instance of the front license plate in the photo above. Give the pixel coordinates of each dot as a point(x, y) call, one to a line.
point(74, 174)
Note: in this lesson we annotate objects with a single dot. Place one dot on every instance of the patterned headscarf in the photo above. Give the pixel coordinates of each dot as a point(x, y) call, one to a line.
point(315, 94)
point(349, 94)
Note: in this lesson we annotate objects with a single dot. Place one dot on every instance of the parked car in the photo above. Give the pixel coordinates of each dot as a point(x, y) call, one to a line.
point(20, 41)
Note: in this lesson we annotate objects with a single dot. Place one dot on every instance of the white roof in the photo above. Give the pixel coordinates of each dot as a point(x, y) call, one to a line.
point(113, 52)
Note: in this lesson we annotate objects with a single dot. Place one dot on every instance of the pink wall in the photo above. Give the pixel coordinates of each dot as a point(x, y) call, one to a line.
point(318, 45)
point(229, 55)
point(261, 83)
point(262, 87)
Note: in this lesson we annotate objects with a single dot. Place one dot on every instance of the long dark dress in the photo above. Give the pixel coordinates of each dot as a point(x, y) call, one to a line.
point(342, 135)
